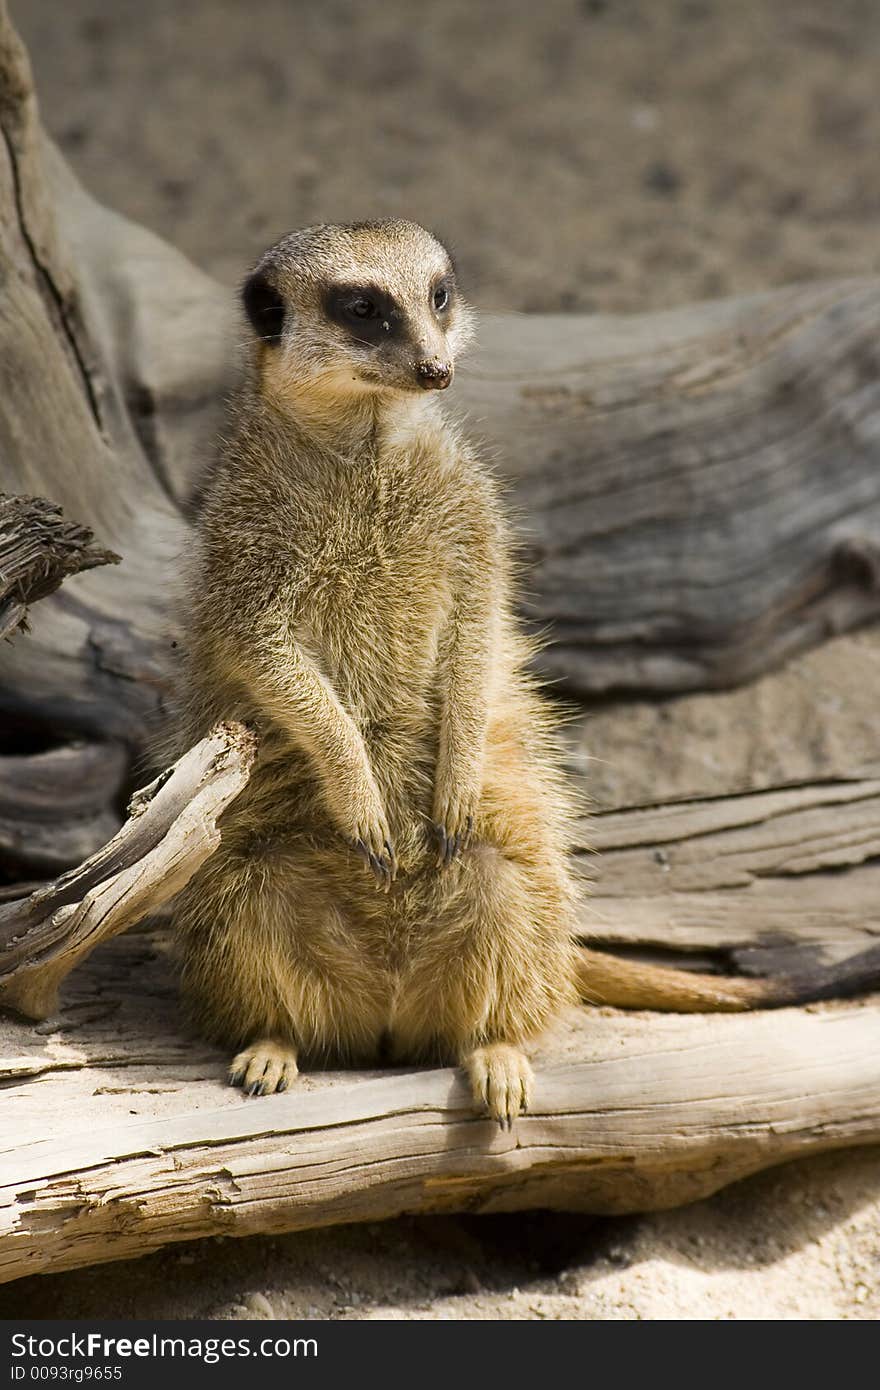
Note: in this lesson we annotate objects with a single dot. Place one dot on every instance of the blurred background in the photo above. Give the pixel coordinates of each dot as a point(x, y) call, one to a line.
point(615, 155)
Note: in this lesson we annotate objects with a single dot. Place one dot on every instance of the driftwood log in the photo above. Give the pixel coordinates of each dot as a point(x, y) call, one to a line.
point(171, 831)
point(125, 1139)
point(700, 499)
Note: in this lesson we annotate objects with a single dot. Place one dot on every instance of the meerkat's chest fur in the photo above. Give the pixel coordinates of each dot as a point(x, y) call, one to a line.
point(372, 561)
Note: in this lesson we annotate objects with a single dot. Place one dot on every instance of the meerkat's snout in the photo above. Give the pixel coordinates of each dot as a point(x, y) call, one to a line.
point(433, 375)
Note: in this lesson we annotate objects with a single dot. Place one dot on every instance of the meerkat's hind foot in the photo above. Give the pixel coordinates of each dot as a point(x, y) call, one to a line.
point(264, 1067)
point(501, 1081)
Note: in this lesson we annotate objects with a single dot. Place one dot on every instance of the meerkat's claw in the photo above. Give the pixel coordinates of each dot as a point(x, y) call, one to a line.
point(264, 1067)
point(383, 871)
point(449, 846)
point(382, 866)
point(453, 835)
point(501, 1081)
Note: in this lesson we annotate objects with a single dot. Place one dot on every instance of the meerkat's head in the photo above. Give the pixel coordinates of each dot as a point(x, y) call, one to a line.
point(349, 310)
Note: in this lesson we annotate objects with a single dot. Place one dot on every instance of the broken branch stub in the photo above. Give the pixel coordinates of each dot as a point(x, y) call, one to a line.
point(38, 550)
point(171, 831)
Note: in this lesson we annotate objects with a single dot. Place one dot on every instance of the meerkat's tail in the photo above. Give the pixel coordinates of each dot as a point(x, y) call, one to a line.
point(603, 978)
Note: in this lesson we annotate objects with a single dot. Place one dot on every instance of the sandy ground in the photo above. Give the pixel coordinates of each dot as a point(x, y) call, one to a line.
point(606, 154)
point(578, 154)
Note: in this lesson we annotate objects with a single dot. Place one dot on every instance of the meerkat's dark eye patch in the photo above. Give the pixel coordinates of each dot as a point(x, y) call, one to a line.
point(368, 312)
point(442, 293)
point(264, 307)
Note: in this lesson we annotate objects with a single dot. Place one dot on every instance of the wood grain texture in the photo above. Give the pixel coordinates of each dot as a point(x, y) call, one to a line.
point(699, 488)
point(170, 832)
point(80, 423)
point(126, 1138)
point(59, 806)
point(741, 873)
point(38, 550)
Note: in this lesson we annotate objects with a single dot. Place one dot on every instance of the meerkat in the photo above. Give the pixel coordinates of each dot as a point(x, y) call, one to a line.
point(393, 882)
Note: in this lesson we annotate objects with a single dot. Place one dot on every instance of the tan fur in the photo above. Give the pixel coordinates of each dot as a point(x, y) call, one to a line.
point(350, 596)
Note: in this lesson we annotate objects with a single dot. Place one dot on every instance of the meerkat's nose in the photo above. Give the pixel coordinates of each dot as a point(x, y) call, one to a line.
point(433, 374)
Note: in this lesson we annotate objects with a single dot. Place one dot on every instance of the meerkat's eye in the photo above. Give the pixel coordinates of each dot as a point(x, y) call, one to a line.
point(441, 298)
point(362, 308)
point(366, 312)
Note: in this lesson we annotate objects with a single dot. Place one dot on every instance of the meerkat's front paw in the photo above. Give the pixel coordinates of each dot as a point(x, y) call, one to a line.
point(369, 834)
point(382, 862)
point(453, 828)
point(264, 1067)
point(501, 1081)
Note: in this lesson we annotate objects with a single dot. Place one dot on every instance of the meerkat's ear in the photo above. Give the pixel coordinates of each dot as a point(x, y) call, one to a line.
point(264, 307)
